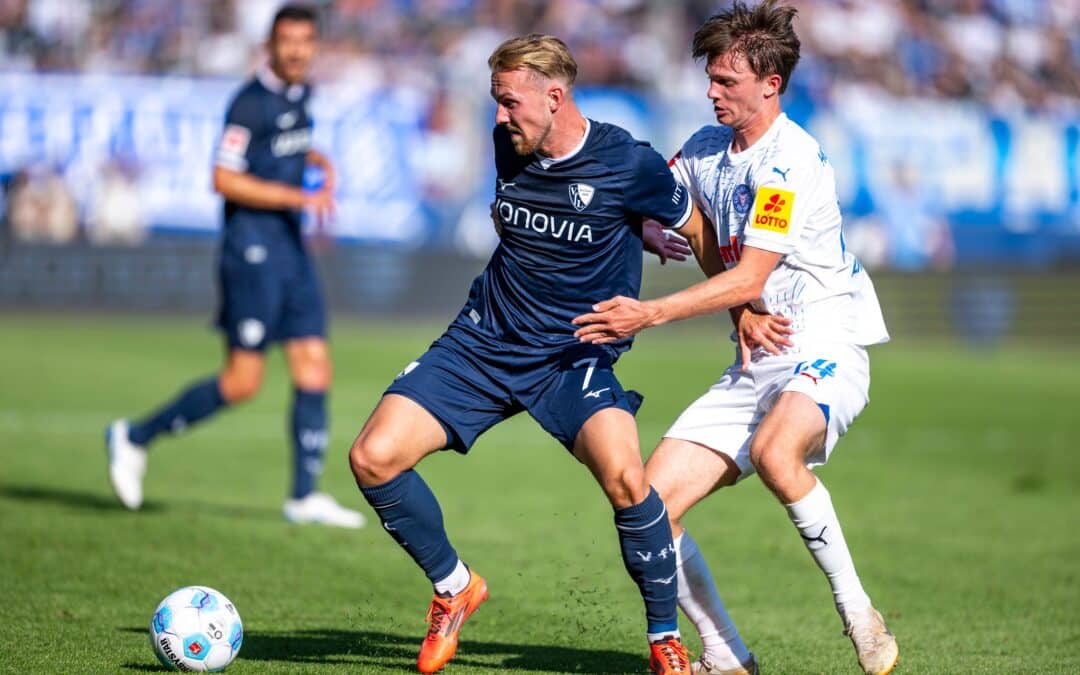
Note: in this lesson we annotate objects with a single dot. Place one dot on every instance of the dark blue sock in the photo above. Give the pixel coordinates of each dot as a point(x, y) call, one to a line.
point(309, 440)
point(411, 514)
point(194, 404)
point(649, 555)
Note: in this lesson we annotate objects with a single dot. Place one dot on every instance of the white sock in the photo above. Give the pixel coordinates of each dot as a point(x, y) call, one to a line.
point(700, 601)
point(816, 521)
point(456, 582)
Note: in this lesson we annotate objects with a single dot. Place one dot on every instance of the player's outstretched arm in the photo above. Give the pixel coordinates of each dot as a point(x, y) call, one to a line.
point(620, 317)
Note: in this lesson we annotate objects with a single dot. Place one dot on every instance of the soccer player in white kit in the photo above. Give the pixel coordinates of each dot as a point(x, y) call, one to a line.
point(805, 311)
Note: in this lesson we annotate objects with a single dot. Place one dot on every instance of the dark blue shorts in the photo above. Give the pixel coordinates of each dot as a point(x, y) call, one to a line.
point(469, 385)
point(269, 293)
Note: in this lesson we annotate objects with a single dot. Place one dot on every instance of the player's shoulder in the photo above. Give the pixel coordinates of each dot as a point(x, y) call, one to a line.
point(795, 144)
point(706, 141)
point(248, 99)
point(250, 90)
point(617, 148)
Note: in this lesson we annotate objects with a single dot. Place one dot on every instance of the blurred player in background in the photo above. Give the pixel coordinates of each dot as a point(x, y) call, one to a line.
point(571, 195)
point(269, 289)
point(771, 193)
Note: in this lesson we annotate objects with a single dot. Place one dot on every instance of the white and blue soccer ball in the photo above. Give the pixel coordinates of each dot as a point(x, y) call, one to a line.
point(196, 629)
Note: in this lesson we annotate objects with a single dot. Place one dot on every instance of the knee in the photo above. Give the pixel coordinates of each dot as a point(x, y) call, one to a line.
point(237, 387)
point(313, 374)
point(775, 468)
point(626, 487)
point(373, 460)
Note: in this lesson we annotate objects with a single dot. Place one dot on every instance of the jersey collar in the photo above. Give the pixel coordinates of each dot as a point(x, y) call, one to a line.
point(548, 162)
point(766, 138)
point(268, 79)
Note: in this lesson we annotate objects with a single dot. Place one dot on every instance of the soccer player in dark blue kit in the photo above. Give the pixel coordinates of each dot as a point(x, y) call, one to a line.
point(571, 195)
point(268, 285)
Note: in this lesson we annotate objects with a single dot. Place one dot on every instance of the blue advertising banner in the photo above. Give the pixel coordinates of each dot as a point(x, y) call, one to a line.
point(921, 183)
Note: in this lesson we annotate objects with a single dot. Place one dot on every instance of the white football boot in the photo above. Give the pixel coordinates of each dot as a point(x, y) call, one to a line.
point(322, 509)
point(127, 465)
point(707, 667)
point(874, 644)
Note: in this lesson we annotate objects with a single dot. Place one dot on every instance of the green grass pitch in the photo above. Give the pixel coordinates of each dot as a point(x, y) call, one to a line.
point(959, 490)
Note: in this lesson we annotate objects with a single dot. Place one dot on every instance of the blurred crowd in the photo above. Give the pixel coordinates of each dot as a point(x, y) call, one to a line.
point(1012, 58)
point(1008, 54)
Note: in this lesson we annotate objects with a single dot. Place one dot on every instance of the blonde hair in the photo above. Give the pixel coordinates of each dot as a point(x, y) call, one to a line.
point(546, 55)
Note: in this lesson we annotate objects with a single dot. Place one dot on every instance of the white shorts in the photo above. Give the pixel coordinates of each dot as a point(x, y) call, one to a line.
point(835, 376)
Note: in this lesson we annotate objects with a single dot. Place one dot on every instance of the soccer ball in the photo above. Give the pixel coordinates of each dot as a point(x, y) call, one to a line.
point(196, 628)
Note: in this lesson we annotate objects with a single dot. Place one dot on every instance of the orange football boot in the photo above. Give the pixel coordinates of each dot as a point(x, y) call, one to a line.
point(669, 656)
point(446, 616)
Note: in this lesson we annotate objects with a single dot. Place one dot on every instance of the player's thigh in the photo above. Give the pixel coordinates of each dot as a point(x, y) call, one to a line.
point(791, 432)
point(836, 379)
point(399, 433)
point(564, 392)
point(309, 363)
point(721, 421)
point(251, 299)
point(684, 472)
point(608, 445)
point(303, 312)
point(242, 376)
point(467, 396)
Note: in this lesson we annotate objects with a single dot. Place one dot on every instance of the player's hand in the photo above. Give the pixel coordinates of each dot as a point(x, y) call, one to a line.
point(663, 243)
point(496, 223)
point(321, 204)
point(758, 329)
point(615, 319)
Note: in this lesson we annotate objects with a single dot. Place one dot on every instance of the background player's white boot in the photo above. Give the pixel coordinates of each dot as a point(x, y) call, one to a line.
point(707, 667)
point(874, 644)
point(127, 465)
point(322, 509)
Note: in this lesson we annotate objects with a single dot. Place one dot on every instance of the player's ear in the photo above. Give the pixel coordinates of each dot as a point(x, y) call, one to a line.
point(772, 84)
point(556, 94)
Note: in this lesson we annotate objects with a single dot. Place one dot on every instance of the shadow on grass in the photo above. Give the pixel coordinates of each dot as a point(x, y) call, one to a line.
point(66, 497)
point(147, 667)
point(398, 652)
point(98, 502)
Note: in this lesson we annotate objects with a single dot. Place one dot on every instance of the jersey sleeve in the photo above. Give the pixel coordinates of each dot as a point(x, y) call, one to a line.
point(780, 212)
point(652, 190)
point(241, 125)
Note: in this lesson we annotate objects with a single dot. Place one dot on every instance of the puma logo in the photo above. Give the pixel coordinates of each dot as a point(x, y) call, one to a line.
point(783, 174)
point(819, 539)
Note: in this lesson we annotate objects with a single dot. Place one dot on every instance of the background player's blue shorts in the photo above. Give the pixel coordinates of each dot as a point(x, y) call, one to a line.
point(470, 384)
point(269, 293)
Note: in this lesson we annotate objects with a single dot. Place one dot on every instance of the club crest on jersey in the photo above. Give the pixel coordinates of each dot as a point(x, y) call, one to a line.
point(581, 195)
point(743, 199)
point(287, 120)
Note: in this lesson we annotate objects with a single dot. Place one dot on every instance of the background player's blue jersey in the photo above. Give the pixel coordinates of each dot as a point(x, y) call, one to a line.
point(571, 235)
point(268, 135)
point(269, 290)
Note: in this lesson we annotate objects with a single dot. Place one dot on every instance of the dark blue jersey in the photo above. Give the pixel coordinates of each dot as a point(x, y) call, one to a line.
point(571, 235)
point(268, 135)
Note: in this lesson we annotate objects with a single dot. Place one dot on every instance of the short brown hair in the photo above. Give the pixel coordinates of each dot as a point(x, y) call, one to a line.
point(544, 54)
point(762, 34)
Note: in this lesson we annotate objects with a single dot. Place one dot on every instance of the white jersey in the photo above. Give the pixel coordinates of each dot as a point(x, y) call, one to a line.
point(780, 195)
